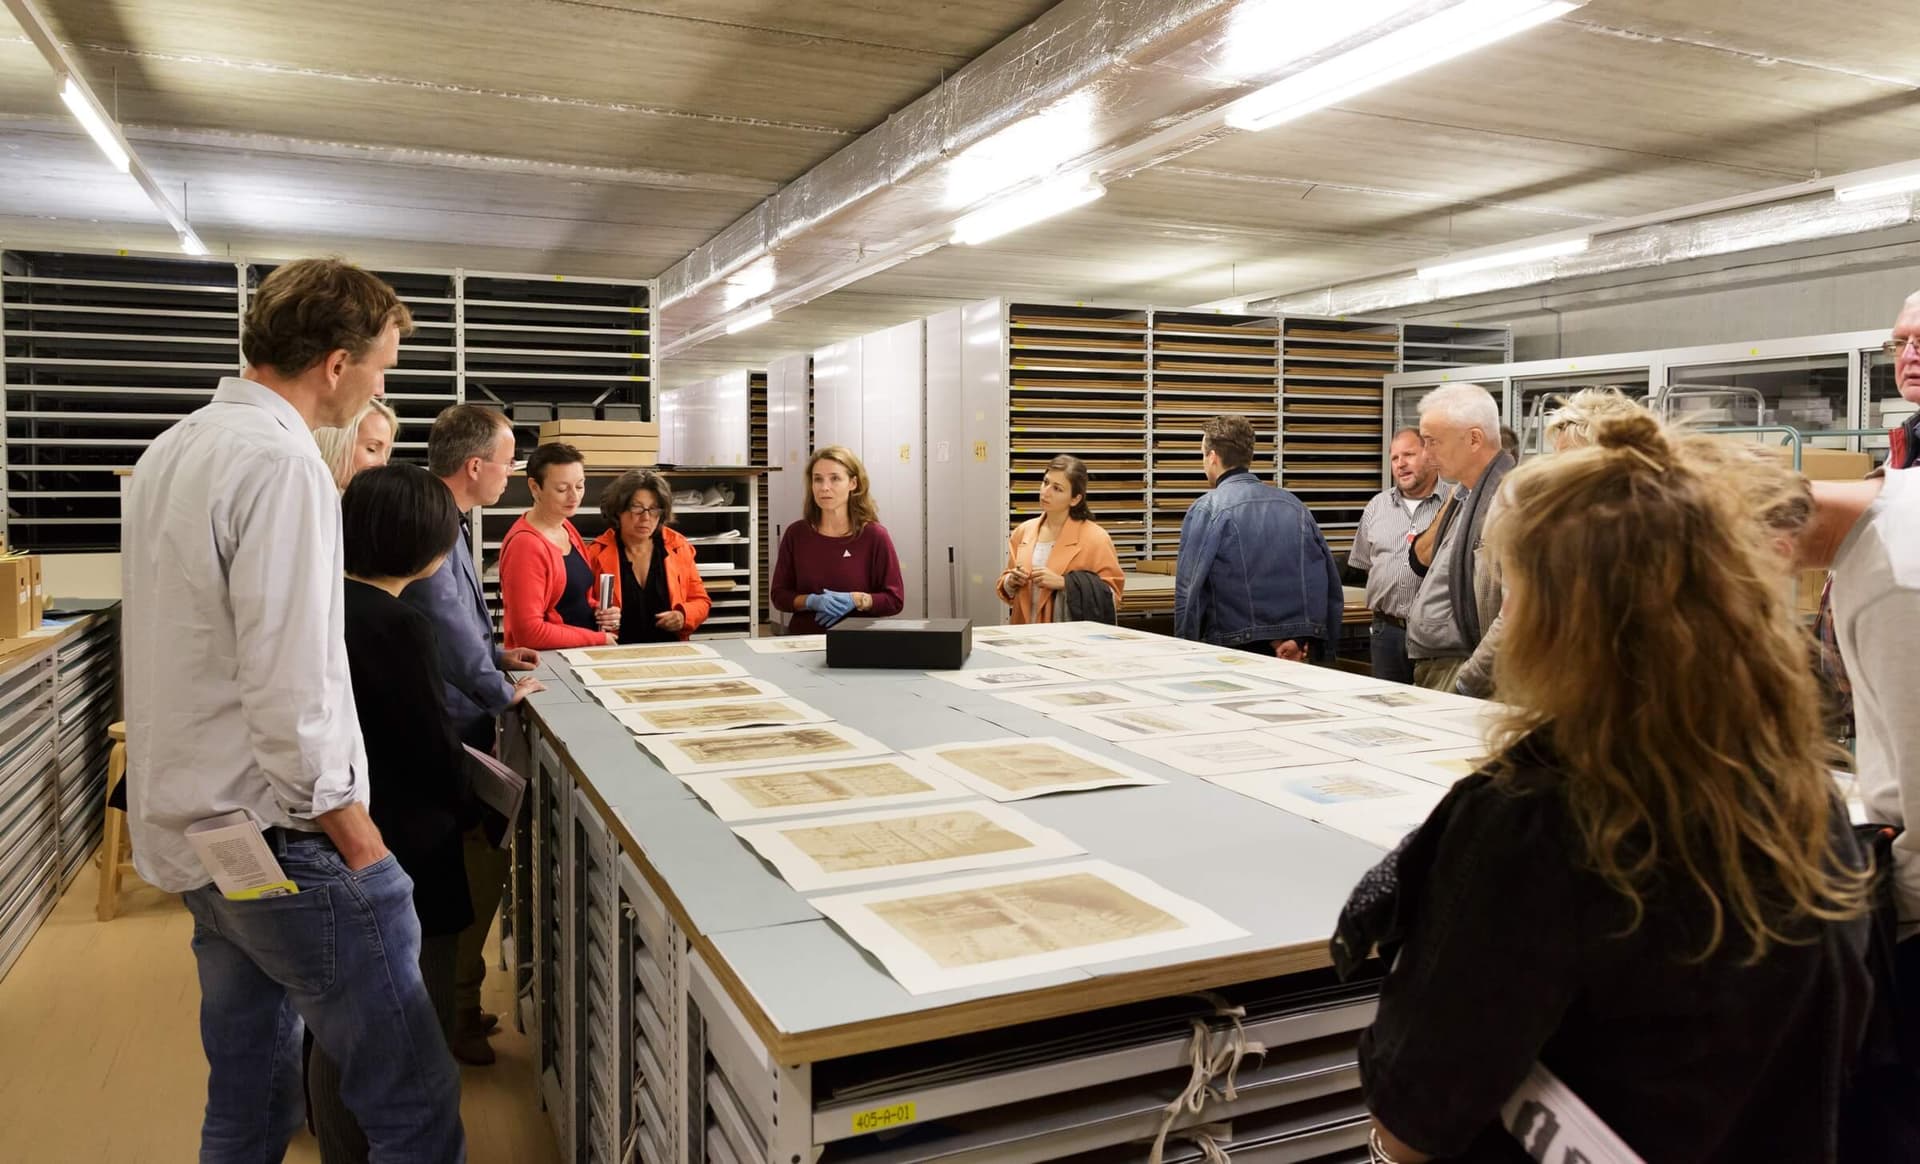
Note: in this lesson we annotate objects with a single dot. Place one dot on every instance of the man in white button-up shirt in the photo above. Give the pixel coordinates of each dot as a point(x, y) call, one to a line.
point(238, 698)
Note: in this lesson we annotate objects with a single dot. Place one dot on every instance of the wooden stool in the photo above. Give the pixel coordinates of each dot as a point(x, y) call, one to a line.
point(116, 849)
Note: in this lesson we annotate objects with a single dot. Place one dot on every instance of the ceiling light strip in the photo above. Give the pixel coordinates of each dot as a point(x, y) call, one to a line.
point(86, 108)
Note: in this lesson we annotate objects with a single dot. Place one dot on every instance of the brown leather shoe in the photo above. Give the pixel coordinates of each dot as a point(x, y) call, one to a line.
point(486, 1021)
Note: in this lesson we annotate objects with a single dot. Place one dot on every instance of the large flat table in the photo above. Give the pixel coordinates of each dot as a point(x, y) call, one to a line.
point(803, 993)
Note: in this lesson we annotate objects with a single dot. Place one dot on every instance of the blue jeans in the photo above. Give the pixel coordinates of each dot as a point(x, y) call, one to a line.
point(343, 955)
point(1389, 648)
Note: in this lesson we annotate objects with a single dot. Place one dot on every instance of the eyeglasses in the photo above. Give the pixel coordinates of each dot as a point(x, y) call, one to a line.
point(645, 511)
point(1894, 347)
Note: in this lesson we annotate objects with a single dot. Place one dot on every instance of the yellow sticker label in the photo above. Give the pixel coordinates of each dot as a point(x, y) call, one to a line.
point(883, 1117)
point(906, 454)
point(979, 450)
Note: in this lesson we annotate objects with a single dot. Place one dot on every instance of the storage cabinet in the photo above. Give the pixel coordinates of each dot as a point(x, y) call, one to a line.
point(57, 697)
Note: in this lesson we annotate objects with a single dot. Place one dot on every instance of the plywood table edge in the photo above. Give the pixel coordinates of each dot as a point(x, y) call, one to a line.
point(999, 1011)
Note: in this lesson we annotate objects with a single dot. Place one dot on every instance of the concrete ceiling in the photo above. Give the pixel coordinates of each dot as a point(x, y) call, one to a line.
point(614, 136)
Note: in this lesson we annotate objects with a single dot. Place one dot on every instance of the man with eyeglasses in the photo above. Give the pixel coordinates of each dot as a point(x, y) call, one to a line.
point(471, 450)
point(1904, 348)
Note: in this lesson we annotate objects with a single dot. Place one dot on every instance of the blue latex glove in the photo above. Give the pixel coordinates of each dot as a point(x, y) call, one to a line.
point(830, 606)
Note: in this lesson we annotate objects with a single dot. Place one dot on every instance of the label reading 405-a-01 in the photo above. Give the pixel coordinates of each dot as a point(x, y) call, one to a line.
point(878, 1118)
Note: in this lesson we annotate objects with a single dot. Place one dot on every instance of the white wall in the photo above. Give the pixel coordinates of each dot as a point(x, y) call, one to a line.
point(707, 423)
point(892, 431)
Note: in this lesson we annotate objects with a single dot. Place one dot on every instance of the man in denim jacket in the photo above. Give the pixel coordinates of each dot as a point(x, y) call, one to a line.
point(1254, 572)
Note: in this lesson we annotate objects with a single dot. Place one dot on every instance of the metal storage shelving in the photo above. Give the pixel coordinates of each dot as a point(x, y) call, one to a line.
point(101, 352)
point(1203, 365)
point(56, 700)
point(542, 347)
point(1077, 382)
point(86, 701)
point(757, 457)
point(1330, 404)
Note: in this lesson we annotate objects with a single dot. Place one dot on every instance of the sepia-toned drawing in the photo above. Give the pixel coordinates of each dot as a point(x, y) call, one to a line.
point(1208, 756)
point(622, 697)
point(1366, 739)
point(989, 927)
point(638, 653)
point(654, 672)
point(1203, 688)
point(797, 790)
point(1083, 698)
point(1000, 678)
point(861, 848)
point(703, 717)
point(787, 644)
point(1019, 767)
point(759, 747)
point(1139, 723)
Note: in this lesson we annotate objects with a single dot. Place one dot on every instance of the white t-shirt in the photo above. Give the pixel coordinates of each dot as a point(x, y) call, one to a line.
point(1041, 552)
point(1876, 619)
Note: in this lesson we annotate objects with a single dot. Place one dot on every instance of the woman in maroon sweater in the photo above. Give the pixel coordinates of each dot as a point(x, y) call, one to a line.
point(839, 561)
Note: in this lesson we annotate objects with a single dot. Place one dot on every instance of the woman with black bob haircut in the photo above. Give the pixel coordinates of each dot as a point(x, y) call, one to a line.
point(398, 523)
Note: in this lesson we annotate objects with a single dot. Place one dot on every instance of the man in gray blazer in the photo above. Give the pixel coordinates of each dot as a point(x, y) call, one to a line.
point(471, 451)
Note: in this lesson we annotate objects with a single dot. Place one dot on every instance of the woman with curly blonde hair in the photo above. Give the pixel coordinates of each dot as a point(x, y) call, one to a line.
point(1653, 890)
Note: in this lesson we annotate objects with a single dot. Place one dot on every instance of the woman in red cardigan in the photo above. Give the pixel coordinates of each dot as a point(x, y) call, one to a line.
point(546, 581)
point(657, 593)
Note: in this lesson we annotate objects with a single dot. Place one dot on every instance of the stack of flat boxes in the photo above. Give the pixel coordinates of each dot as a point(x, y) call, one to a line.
point(608, 444)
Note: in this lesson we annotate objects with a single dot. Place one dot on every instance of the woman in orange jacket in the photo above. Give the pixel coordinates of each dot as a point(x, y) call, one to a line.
point(657, 592)
point(546, 583)
point(1064, 538)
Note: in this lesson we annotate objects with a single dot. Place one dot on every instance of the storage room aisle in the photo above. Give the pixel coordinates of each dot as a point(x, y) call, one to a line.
point(100, 1021)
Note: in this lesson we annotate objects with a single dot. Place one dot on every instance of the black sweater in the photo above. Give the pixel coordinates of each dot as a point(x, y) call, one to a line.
point(416, 769)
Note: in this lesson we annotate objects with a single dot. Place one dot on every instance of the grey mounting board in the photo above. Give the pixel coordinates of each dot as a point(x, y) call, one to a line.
point(1086, 1084)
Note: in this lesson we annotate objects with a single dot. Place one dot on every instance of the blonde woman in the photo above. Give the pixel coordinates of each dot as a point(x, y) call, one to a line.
point(1572, 424)
point(1652, 891)
point(839, 561)
point(365, 442)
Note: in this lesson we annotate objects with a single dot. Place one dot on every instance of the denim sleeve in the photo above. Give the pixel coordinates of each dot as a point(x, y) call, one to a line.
point(1199, 536)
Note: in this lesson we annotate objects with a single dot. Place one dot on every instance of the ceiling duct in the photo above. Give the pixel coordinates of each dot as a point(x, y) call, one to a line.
point(1093, 90)
point(1766, 218)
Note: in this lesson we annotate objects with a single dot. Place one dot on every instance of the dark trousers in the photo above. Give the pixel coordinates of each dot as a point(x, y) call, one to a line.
point(1388, 644)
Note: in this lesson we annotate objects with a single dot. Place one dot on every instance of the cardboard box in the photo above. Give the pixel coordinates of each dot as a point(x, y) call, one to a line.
point(563, 429)
point(606, 444)
point(937, 644)
point(16, 598)
point(1820, 465)
point(39, 592)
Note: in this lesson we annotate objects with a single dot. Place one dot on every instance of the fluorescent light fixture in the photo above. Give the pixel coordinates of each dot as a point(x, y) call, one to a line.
point(751, 319)
point(95, 123)
point(1512, 257)
point(1880, 183)
point(190, 243)
point(1026, 149)
point(1265, 36)
point(749, 283)
point(1026, 208)
point(1407, 50)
